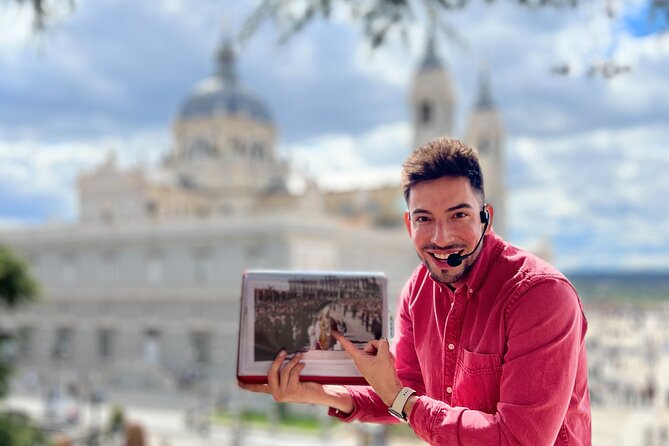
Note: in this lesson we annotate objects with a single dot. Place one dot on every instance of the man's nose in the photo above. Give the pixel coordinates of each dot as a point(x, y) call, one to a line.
point(442, 235)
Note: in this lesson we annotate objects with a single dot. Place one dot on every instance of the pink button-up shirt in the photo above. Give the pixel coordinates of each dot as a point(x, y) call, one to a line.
point(499, 360)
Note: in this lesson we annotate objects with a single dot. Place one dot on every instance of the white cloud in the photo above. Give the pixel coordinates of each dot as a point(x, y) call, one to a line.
point(326, 153)
point(81, 70)
point(387, 138)
point(531, 153)
point(386, 64)
point(16, 26)
point(363, 177)
point(346, 161)
point(31, 168)
point(597, 192)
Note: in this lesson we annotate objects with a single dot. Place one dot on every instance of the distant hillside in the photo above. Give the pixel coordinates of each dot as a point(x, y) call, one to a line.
point(624, 286)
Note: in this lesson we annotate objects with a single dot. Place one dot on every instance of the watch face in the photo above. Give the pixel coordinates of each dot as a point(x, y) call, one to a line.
point(396, 414)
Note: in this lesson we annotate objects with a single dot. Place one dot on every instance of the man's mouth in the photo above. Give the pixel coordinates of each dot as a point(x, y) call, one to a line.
point(441, 257)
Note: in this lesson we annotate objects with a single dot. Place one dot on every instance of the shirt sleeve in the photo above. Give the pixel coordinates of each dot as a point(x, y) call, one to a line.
point(368, 407)
point(545, 330)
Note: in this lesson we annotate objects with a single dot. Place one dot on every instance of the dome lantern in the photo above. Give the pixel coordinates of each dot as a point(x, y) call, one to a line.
point(226, 63)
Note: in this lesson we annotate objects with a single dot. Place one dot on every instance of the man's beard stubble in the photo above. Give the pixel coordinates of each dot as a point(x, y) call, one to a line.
point(444, 276)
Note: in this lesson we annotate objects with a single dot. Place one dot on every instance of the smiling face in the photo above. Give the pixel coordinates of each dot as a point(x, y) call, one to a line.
point(443, 218)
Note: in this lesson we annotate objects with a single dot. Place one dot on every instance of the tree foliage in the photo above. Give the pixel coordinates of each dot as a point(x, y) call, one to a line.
point(16, 430)
point(43, 10)
point(379, 18)
point(17, 286)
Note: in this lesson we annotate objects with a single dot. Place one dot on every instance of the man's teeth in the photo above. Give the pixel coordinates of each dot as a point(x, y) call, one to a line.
point(440, 256)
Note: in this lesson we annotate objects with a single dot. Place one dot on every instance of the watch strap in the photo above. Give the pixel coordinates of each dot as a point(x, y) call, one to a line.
point(397, 408)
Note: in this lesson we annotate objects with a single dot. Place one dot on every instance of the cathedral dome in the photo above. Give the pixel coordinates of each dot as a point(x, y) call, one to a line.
point(222, 94)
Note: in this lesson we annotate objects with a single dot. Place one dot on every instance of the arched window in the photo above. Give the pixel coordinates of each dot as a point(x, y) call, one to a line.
point(200, 149)
point(257, 151)
point(426, 112)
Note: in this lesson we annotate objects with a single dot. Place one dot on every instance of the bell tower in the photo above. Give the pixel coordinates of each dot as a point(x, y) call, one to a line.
point(432, 98)
point(485, 133)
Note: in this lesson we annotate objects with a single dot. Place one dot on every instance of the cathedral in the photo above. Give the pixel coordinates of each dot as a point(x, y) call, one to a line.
point(224, 162)
point(142, 292)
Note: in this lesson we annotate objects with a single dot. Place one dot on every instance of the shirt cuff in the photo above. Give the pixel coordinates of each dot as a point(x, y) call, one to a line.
point(435, 421)
point(343, 416)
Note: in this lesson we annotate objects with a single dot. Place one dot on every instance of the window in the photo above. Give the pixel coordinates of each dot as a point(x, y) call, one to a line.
point(201, 347)
point(63, 347)
point(151, 208)
point(24, 341)
point(68, 269)
point(200, 149)
point(109, 265)
point(152, 346)
point(238, 148)
point(425, 112)
point(106, 213)
point(484, 146)
point(201, 266)
point(105, 343)
point(154, 268)
point(258, 151)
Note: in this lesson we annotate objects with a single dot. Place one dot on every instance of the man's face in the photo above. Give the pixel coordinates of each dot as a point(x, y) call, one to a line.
point(443, 218)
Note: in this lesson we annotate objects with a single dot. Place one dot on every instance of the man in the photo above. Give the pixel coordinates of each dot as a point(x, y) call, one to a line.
point(489, 340)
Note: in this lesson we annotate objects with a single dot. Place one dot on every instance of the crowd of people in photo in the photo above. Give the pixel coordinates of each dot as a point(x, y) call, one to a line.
point(303, 318)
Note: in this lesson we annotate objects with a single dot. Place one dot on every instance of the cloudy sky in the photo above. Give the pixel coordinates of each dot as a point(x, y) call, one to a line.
point(587, 158)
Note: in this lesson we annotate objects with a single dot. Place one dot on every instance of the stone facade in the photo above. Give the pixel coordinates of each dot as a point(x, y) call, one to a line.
point(156, 306)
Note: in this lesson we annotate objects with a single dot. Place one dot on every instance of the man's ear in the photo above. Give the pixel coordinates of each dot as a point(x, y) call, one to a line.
point(491, 214)
point(407, 221)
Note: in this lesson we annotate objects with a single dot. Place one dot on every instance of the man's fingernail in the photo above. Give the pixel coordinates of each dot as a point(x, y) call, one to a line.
point(282, 352)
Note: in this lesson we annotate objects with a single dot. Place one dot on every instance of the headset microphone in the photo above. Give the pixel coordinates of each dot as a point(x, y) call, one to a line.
point(456, 259)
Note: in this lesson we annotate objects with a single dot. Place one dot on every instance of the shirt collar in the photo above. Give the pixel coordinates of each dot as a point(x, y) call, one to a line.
point(492, 247)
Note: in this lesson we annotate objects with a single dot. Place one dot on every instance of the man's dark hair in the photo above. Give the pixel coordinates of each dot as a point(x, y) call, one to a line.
point(439, 158)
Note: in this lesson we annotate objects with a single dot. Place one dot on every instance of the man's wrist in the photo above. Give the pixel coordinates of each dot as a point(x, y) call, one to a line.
point(390, 396)
point(408, 407)
point(338, 398)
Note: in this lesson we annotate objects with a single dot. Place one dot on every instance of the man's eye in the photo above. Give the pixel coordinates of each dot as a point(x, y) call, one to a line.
point(421, 219)
point(459, 215)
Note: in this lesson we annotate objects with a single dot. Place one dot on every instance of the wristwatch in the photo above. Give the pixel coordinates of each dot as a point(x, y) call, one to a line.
point(397, 408)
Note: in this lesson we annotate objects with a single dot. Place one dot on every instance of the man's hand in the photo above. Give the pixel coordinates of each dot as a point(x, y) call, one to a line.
point(376, 364)
point(284, 384)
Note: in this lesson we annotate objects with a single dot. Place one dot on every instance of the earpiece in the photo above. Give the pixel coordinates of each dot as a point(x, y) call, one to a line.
point(455, 259)
point(485, 216)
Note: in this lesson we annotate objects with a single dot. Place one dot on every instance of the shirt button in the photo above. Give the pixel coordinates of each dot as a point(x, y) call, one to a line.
point(451, 346)
point(449, 389)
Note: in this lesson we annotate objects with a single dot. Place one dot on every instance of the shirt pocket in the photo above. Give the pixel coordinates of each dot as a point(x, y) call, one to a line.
point(476, 383)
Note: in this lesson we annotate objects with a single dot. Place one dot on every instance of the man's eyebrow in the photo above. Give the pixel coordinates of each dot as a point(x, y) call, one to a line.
point(451, 209)
point(460, 206)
